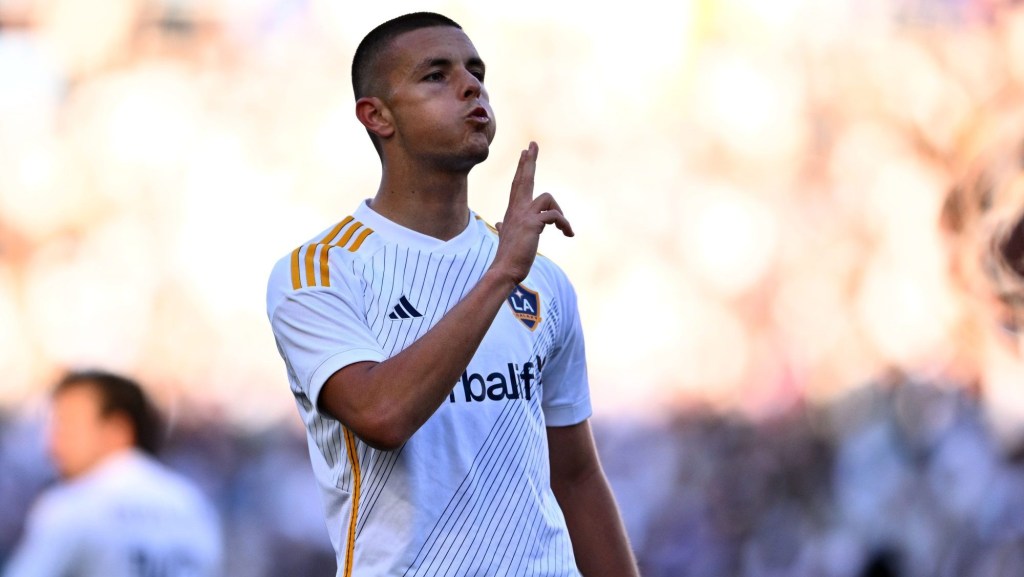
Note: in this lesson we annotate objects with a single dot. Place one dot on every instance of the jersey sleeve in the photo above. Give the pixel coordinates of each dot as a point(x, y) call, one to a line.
point(320, 331)
point(566, 386)
point(50, 545)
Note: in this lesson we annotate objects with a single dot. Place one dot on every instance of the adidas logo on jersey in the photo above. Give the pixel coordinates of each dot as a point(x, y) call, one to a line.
point(404, 310)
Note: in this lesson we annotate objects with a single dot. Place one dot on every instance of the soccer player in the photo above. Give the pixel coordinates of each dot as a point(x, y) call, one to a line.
point(439, 367)
point(118, 512)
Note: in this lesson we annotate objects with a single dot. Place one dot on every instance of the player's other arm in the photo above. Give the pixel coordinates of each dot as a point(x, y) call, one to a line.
point(599, 539)
point(385, 403)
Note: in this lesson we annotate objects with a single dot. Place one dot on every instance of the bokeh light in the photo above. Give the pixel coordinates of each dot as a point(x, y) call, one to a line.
point(756, 189)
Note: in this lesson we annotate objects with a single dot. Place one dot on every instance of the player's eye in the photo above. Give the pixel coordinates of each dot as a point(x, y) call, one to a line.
point(434, 77)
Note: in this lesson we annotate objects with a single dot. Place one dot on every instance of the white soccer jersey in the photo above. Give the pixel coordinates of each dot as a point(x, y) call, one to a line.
point(469, 493)
point(129, 517)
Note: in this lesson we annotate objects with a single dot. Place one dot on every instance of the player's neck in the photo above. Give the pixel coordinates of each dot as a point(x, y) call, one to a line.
point(434, 204)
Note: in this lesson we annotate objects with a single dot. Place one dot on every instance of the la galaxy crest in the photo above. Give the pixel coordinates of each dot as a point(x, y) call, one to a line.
point(525, 305)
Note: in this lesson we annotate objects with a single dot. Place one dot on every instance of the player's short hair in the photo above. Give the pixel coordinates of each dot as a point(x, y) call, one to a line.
point(367, 76)
point(119, 395)
point(365, 64)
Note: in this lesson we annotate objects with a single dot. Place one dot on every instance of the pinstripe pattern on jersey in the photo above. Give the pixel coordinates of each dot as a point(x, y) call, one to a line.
point(311, 251)
point(384, 464)
point(433, 283)
point(327, 435)
point(487, 525)
point(426, 275)
point(489, 518)
point(429, 277)
point(304, 258)
point(451, 542)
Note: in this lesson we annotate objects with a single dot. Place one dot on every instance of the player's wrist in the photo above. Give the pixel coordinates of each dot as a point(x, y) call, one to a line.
point(499, 279)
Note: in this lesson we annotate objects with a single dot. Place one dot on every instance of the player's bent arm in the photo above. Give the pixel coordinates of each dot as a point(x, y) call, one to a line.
point(385, 403)
point(599, 540)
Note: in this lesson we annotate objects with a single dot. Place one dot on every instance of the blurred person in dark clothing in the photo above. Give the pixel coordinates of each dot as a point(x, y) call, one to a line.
point(117, 511)
point(983, 219)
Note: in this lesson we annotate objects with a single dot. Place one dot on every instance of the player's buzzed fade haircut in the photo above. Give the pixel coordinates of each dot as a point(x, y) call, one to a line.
point(120, 395)
point(365, 62)
point(366, 74)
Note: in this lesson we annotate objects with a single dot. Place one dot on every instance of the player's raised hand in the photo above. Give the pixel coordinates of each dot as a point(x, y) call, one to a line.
point(525, 218)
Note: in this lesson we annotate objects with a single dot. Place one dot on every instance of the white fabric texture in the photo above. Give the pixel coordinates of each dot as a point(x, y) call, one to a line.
point(469, 493)
point(129, 516)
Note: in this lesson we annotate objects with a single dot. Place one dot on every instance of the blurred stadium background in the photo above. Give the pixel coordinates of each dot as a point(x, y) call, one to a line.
point(786, 379)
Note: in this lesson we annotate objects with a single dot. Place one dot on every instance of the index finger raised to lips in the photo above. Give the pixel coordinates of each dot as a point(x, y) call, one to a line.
point(522, 183)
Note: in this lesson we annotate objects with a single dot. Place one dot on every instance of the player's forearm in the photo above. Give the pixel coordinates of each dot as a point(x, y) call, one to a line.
point(385, 403)
point(599, 539)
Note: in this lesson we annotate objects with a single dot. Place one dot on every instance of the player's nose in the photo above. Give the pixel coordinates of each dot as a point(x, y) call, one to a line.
point(472, 86)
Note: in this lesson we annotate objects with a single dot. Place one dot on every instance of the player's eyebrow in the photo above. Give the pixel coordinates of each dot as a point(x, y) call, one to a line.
point(441, 62)
point(427, 63)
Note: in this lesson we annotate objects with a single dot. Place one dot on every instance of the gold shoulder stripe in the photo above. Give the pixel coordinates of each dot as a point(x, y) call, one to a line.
point(307, 261)
point(494, 230)
point(353, 458)
point(359, 239)
point(311, 250)
point(348, 234)
point(325, 273)
point(296, 276)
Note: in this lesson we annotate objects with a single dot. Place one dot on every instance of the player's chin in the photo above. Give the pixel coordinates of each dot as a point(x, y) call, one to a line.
point(481, 137)
point(466, 162)
point(481, 154)
point(463, 160)
point(476, 150)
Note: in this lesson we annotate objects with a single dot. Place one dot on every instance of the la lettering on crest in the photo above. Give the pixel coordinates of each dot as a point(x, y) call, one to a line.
point(525, 305)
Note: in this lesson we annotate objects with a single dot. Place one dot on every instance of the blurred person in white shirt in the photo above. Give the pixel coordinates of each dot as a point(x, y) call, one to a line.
point(118, 511)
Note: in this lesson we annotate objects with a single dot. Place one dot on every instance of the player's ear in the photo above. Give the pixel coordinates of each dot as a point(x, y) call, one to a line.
point(375, 116)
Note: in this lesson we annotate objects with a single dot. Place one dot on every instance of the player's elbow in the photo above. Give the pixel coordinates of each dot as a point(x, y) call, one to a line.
point(380, 425)
point(354, 397)
point(383, 431)
point(385, 444)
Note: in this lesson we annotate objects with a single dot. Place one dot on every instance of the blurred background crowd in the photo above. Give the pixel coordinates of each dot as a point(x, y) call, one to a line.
point(795, 369)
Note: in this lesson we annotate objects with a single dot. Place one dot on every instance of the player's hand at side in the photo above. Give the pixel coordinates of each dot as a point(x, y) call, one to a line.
point(525, 218)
